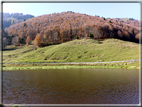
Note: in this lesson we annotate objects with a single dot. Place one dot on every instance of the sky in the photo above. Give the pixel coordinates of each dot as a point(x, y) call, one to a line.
point(107, 10)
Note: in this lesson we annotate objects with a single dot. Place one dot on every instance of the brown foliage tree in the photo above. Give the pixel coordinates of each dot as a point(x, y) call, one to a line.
point(38, 42)
point(120, 34)
point(28, 40)
point(137, 37)
point(126, 35)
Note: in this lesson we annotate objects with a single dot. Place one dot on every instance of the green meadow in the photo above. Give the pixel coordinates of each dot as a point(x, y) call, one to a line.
point(83, 50)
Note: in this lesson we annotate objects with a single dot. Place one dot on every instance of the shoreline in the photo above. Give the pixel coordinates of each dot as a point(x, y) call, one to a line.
point(66, 67)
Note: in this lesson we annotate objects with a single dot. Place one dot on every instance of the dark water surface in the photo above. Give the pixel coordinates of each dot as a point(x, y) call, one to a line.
point(71, 86)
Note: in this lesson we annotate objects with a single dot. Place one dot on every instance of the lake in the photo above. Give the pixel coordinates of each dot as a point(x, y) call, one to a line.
point(71, 86)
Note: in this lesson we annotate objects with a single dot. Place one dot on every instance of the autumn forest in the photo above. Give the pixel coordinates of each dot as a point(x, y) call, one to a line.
point(66, 26)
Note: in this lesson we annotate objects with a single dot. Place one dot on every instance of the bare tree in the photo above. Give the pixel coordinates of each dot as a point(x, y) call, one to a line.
point(4, 42)
point(14, 41)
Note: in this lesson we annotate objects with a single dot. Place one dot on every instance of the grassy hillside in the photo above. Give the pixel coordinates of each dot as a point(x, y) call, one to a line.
point(83, 50)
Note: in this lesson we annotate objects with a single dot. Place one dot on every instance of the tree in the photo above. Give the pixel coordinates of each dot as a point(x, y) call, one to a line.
point(14, 41)
point(138, 37)
point(20, 41)
point(38, 41)
point(28, 40)
point(4, 42)
point(120, 34)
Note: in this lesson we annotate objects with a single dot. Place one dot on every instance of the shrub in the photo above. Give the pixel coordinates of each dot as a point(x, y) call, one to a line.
point(113, 35)
point(77, 36)
point(91, 35)
point(24, 24)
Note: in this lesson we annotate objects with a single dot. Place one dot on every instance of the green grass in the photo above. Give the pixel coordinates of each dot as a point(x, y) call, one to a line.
point(84, 50)
point(126, 65)
point(64, 67)
point(57, 67)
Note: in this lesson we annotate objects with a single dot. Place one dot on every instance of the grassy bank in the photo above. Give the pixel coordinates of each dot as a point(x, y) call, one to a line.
point(55, 67)
point(128, 65)
point(65, 67)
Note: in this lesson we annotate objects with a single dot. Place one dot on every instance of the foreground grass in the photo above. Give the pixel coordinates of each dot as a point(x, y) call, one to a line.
point(128, 65)
point(65, 67)
point(55, 67)
point(84, 50)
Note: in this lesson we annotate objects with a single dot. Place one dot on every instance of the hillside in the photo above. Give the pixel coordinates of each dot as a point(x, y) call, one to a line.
point(130, 21)
point(66, 26)
point(13, 18)
point(84, 50)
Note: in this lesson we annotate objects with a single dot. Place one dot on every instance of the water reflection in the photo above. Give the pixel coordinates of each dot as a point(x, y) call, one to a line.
point(71, 86)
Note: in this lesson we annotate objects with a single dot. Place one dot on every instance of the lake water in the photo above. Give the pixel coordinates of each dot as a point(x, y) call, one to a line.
point(71, 86)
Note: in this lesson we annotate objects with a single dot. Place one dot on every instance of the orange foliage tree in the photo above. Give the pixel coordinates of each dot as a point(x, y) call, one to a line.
point(28, 40)
point(38, 40)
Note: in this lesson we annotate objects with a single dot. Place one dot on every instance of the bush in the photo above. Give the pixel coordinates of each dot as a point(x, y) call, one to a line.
point(91, 35)
point(77, 36)
point(24, 24)
point(113, 35)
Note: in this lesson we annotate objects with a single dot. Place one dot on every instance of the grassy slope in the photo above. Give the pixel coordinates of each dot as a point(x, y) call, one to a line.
point(84, 50)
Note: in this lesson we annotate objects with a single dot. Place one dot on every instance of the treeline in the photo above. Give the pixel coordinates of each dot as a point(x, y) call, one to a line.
point(18, 16)
point(60, 27)
point(10, 19)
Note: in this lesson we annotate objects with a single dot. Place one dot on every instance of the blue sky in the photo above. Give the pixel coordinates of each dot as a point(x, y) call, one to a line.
point(111, 10)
